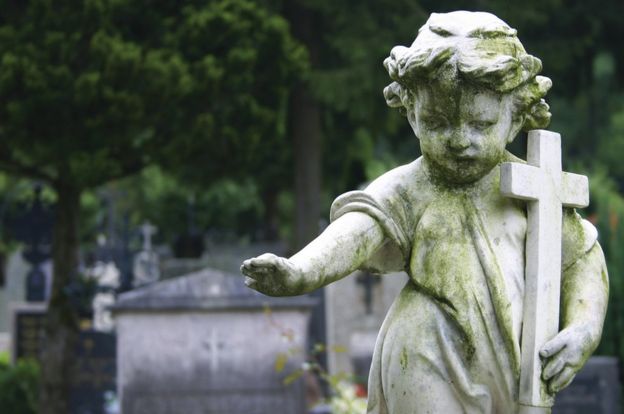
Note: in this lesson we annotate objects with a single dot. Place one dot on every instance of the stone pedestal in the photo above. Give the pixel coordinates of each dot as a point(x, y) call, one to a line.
point(596, 389)
point(204, 343)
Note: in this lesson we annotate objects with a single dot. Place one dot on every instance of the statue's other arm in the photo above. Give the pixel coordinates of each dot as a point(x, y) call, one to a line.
point(584, 297)
point(343, 247)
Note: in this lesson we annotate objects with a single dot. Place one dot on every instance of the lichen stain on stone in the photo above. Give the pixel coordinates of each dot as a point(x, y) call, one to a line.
point(404, 359)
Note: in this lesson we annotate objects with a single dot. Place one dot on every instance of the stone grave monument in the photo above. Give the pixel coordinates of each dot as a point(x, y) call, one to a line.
point(204, 343)
point(146, 267)
point(108, 279)
point(596, 389)
point(33, 227)
point(27, 324)
point(13, 292)
point(95, 359)
point(492, 245)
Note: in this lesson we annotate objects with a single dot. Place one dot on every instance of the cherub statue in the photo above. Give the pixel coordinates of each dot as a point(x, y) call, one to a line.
point(451, 341)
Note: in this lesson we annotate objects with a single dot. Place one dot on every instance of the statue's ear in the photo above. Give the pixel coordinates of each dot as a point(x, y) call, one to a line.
point(517, 123)
point(411, 118)
point(516, 126)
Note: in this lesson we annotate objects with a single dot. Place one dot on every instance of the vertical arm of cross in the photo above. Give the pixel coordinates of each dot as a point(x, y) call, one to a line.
point(148, 231)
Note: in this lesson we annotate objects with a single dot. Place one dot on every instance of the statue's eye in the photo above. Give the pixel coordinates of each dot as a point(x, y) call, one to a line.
point(434, 122)
point(482, 125)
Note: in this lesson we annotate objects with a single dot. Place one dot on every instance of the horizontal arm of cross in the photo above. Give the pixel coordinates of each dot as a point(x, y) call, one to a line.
point(574, 190)
point(520, 181)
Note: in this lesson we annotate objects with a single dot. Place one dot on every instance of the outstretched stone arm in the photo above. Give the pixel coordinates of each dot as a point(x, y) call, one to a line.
point(343, 247)
point(584, 297)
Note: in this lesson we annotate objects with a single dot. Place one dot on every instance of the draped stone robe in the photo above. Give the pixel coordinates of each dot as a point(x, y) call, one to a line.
point(451, 341)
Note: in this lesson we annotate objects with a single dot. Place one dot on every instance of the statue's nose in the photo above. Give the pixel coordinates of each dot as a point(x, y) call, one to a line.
point(459, 142)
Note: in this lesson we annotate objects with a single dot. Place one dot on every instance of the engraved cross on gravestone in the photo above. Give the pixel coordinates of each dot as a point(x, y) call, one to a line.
point(214, 346)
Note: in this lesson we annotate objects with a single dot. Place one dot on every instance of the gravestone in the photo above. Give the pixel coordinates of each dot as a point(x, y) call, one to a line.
point(33, 227)
point(203, 343)
point(27, 329)
point(95, 361)
point(146, 264)
point(595, 389)
point(108, 279)
point(95, 373)
point(13, 292)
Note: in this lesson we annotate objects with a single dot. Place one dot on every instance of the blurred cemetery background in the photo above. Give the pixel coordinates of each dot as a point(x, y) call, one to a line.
point(148, 147)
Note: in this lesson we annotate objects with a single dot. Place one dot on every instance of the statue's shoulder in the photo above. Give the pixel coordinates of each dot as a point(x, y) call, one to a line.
point(394, 194)
point(406, 182)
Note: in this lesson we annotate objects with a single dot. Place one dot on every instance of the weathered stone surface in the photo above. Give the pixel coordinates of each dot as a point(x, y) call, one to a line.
point(184, 346)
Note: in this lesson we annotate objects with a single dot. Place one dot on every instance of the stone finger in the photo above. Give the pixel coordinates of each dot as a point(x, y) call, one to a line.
point(553, 367)
point(250, 282)
point(553, 346)
point(249, 271)
point(562, 380)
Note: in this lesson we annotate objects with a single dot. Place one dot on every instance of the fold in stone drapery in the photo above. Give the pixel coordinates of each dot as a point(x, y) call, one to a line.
point(359, 201)
point(495, 282)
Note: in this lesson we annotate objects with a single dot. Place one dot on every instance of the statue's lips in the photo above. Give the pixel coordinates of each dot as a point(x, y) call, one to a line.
point(465, 157)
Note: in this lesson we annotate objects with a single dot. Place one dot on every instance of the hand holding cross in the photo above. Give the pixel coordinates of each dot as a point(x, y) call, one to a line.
point(547, 189)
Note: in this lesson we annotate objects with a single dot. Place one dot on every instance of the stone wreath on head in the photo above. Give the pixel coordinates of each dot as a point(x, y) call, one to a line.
point(474, 47)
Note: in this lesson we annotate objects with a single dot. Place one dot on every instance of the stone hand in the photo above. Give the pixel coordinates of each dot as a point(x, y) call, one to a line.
point(564, 356)
point(273, 275)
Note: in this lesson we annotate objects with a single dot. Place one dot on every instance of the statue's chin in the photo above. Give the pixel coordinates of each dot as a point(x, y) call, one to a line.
point(461, 172)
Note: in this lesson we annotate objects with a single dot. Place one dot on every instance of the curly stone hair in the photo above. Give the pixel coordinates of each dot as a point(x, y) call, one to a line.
point(473, 47)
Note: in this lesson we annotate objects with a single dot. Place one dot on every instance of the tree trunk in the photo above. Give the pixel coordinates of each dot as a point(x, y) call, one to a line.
point(61, 333)
point(271, 216)
point(306, 129)
point(306, 121)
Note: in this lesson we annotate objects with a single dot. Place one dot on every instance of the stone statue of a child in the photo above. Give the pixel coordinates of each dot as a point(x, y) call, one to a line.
point(451, 341)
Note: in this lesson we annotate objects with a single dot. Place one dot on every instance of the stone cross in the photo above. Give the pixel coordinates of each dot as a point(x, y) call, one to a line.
point(148, 231)
point(546, 188)
point(214, 346)
point(368, 282)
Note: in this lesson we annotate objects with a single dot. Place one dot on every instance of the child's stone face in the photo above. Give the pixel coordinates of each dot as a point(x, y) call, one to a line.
point(463, 131)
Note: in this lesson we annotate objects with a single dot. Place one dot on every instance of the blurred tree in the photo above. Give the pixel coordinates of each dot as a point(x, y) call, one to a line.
point(94, 90)
point(232, 208)
point(340, 104)
point(607, 212)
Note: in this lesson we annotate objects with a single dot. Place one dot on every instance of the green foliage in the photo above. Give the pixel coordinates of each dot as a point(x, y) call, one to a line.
point(242, 60)
point(348, 79)
point(228, 205)
point(18, 386)
point(94, 90)
point(608, 214)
